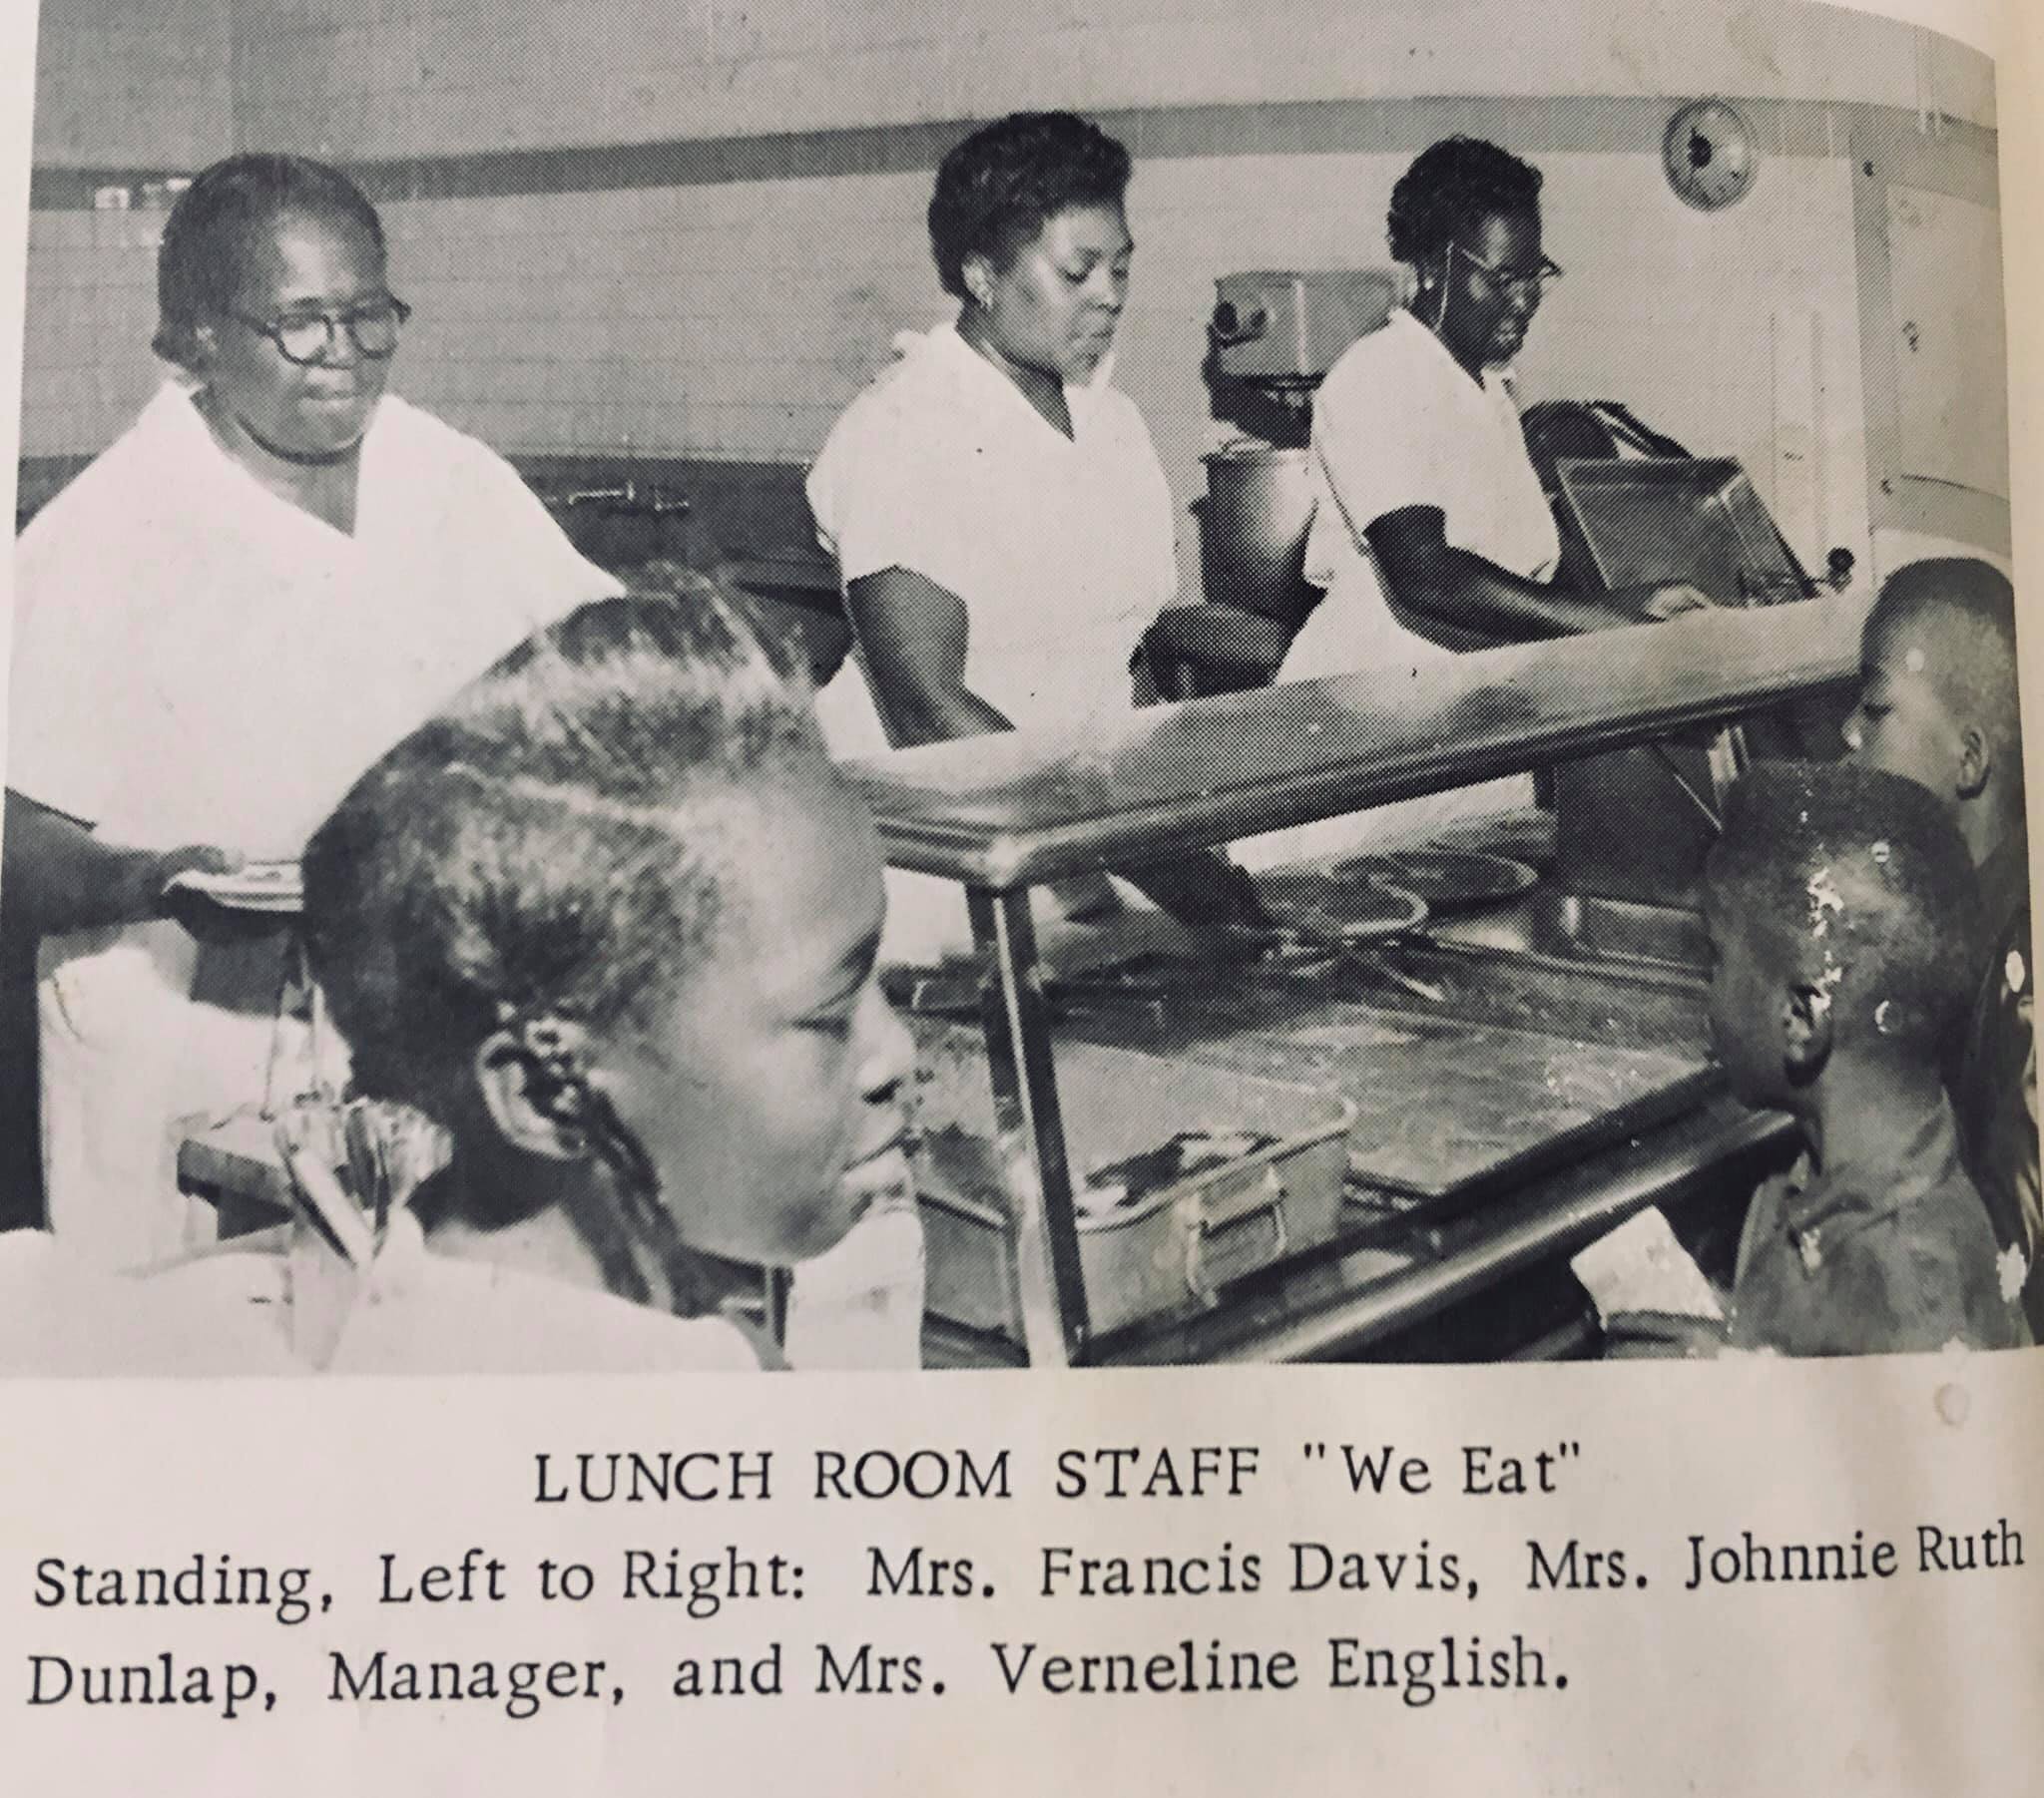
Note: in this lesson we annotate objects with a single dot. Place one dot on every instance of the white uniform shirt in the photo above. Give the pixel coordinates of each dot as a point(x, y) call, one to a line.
point(1399, 423)
point(1061, 548)
point(197, 660)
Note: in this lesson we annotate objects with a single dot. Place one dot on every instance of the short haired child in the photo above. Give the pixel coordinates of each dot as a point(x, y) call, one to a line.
point(1842, 908)
point(1939, 704)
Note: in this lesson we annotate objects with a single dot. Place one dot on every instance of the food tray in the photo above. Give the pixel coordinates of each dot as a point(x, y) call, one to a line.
point(1351, 910)
point(1524, 836)
point(1170, 1249)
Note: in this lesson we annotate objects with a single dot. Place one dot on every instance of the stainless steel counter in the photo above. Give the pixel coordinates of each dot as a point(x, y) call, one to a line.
point(1008, 811)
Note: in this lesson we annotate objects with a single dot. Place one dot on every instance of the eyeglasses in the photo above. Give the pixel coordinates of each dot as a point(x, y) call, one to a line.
point(1512, 280)
point(305, 337)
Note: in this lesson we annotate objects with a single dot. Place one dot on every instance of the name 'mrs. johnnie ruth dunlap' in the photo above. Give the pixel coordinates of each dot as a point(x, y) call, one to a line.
point(1750, 1561)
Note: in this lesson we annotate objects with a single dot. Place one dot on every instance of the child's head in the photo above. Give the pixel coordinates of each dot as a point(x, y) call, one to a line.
point(614, 905)
point(1840, 904)
point(1938, 698)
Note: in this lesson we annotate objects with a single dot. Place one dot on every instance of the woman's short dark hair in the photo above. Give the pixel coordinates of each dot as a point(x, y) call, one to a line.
point(997, 190)
point(213, 223)
point(549, 844)
point(1450, 191)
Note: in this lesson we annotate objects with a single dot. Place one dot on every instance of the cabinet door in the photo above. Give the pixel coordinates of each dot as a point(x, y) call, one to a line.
point(1951, 393)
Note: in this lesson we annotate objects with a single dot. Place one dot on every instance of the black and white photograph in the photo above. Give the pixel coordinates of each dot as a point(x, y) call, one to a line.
point(710, 685)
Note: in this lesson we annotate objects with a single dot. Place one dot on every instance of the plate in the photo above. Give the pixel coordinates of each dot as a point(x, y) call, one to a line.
point(1445, 878)
point(1318, 905)
point(260, 886)
point(1523, 835)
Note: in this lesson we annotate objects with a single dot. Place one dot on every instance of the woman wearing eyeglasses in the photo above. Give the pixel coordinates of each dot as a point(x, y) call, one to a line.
point(273, 576)
point(1432, 529)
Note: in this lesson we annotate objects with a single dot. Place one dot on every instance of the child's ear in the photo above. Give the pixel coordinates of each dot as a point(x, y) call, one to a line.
point(522, 1104)
point(1976, 760)
point(1806, 1032)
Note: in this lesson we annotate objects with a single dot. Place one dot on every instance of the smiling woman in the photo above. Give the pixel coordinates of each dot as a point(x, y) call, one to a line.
point(273, 576)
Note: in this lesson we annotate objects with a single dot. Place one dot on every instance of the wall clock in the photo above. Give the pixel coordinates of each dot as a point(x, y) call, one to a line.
point(1710, 154)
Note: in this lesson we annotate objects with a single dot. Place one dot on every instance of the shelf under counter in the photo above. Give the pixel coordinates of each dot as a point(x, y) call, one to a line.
point(1382, 1284)
point(1454, 1256)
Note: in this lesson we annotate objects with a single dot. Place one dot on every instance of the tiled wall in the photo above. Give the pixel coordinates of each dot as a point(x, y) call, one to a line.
point(118, 85)
point(733, 318)
point(91, 309)
point(736, 320)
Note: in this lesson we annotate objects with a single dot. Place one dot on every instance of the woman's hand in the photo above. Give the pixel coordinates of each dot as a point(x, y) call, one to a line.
point(199, 916)
point(60, 877)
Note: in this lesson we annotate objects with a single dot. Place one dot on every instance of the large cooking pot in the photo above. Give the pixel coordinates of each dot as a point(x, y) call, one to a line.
point(1252, 531)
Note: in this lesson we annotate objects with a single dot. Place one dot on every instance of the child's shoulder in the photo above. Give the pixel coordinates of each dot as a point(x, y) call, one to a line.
point(1817, 1279)
point(1938, 1271)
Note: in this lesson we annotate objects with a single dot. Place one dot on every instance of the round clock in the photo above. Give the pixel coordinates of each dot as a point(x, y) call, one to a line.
point(1710, 154)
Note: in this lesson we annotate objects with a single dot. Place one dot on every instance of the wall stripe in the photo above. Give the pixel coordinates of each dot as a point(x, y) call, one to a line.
point(1531, 126)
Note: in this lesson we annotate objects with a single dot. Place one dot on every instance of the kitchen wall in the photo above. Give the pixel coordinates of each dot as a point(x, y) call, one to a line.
point(691, 226)
point(120, 89)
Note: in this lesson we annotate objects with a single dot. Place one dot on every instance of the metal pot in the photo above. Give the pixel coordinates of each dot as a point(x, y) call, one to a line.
point(1252, 531)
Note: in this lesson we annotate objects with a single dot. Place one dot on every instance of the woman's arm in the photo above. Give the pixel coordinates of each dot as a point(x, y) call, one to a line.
point(1460, 590)
point(915, 635)
point(57, 876)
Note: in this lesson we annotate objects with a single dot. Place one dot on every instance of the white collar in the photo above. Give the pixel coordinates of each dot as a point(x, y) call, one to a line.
point(205, 462)
point(1497, 377)
point(946, 343)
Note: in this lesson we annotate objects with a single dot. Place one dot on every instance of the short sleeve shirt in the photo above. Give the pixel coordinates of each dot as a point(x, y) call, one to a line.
point(1861, 1260)
point(1400, 423)
point(1061, 548)
point(197, 660)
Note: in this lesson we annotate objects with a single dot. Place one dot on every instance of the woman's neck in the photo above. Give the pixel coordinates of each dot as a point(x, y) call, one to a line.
point(1042, 390)
point(323, 487)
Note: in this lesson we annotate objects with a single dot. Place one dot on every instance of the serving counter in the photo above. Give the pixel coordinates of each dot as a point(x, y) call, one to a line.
point(1524, 1082)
